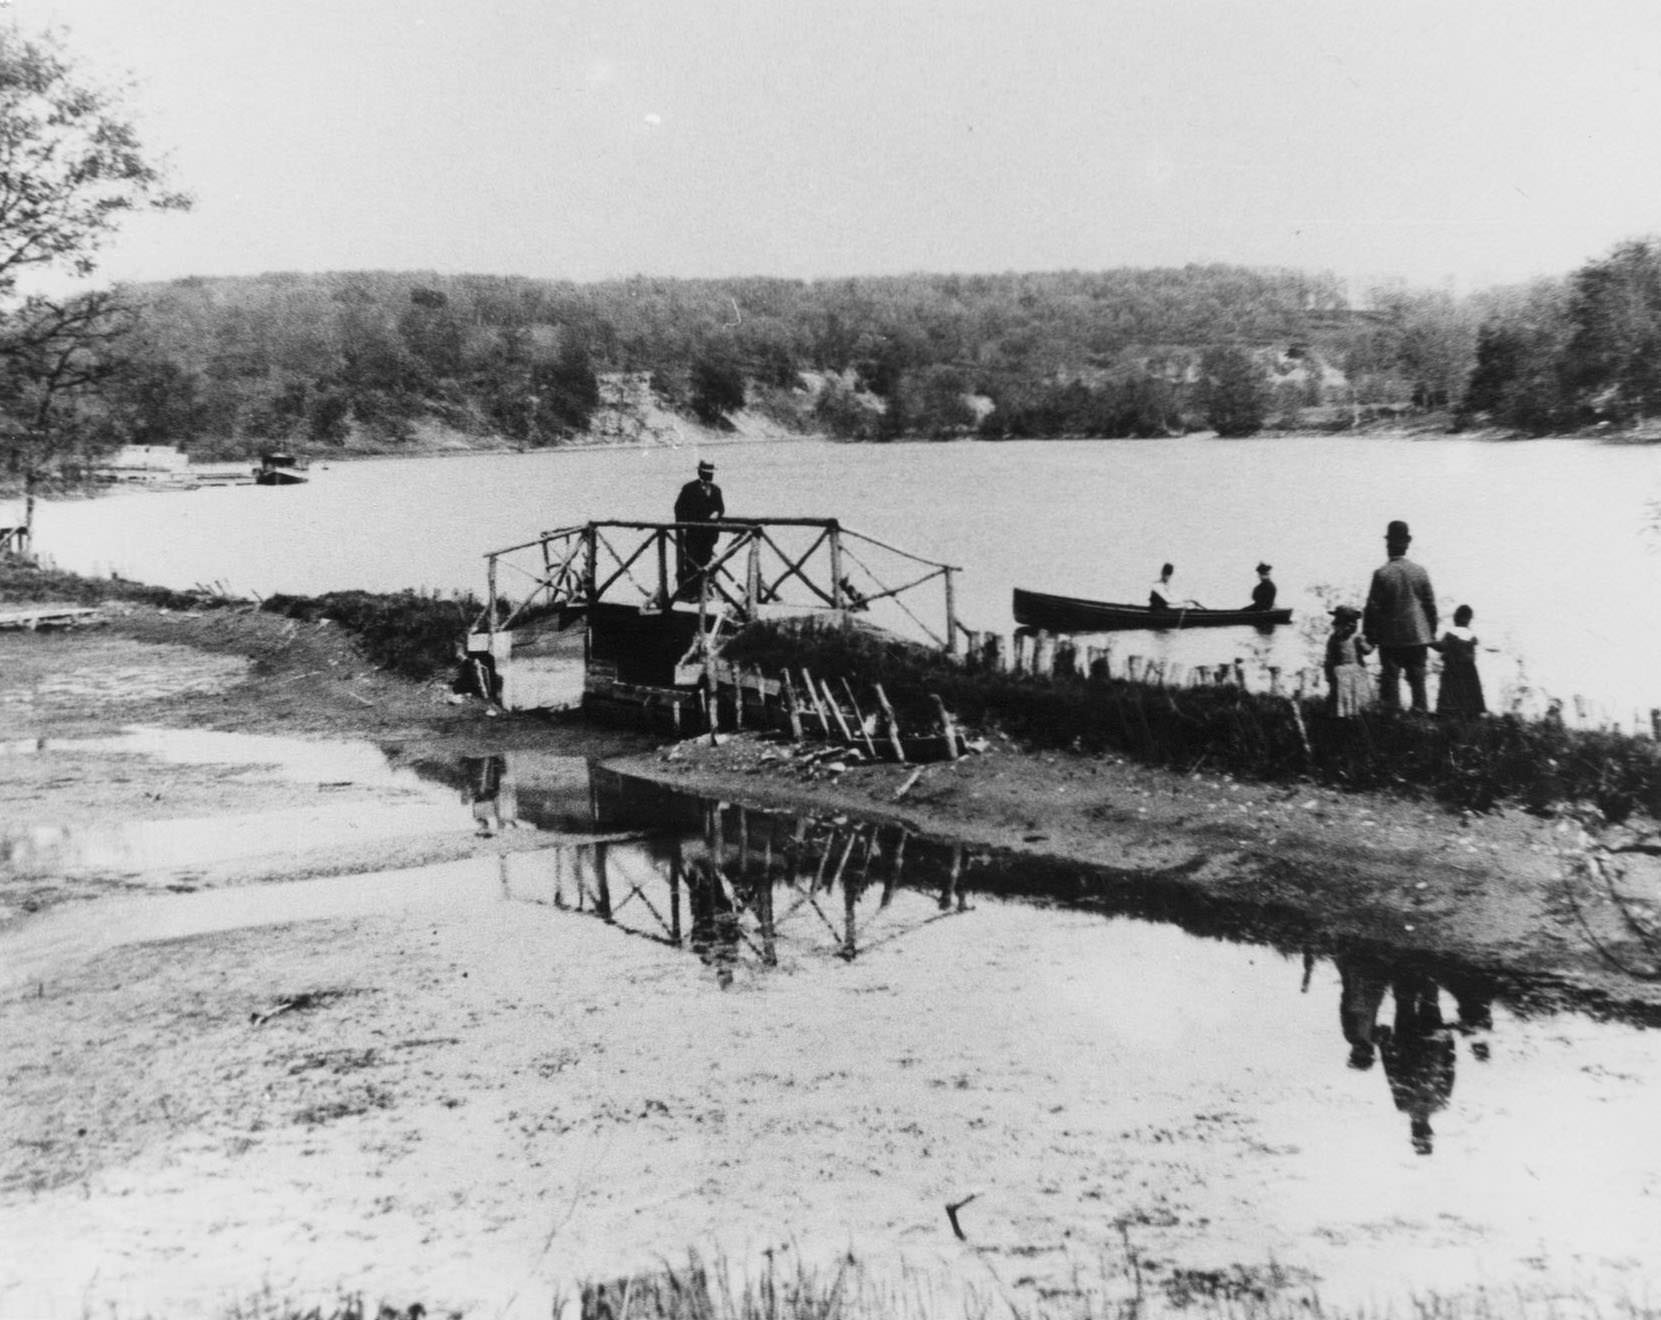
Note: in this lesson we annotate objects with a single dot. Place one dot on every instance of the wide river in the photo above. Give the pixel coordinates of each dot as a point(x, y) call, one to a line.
point(1547, 540)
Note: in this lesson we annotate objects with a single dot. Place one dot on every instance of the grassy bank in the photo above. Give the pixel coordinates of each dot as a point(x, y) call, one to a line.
point(24, 583)
point(415, 635)
point(418, 636)
point(1473, 764)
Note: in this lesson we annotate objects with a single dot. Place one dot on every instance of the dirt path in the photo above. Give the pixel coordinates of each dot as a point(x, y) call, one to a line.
point(473, 1103)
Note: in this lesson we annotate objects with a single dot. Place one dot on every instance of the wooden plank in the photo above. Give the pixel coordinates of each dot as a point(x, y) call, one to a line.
point(892, 724)
point(859, 718)
point(836, 710)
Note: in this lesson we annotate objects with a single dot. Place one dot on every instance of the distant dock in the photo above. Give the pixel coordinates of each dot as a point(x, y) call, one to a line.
point(33, 618)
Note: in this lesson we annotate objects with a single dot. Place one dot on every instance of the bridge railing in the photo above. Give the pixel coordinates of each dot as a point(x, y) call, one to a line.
point(759, 567)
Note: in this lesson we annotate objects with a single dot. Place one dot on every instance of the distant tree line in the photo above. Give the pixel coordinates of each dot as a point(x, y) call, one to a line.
point(1564, 355)
point(227, 365)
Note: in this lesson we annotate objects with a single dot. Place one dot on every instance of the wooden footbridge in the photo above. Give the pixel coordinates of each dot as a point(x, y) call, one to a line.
point(637, 612)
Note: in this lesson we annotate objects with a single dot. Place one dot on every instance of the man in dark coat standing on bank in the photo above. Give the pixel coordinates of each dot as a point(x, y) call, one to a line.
point(1400, 619)
point(699, 501)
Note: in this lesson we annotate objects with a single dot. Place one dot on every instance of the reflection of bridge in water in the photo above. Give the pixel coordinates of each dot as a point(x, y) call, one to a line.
point(738, 885)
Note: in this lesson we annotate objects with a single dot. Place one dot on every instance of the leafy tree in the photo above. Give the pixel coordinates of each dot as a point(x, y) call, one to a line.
point(1234, 390)
point(430, 332)
point(1613, 358)
point(567, 390)
point(717, 388)
point(71, 170)
point(1518, 379)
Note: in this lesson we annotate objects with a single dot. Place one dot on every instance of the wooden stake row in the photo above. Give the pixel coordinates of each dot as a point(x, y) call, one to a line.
point(1058, 656)
point(809, 707)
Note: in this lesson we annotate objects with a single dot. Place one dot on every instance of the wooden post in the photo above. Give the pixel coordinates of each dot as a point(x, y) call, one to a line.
point(1274, 680)
point(791, 714)
point(1133, 668)
point(1240, 671)
point(951, 614)
point(738, 699)
point(1655, 722)
point(859, 717)
point(752, 575)
point(1043, 656)
point(836, 566)
point(997, 659)
point(490, 616)
point(812, 691)
point(1303, 733)
point(1023, 643)
point(836, 710)
point(893, 725)
point(665, 593)
point(948, 727)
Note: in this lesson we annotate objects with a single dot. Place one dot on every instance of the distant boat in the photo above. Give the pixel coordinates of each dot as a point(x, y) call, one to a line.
point(1069, 614)
point(280, 469)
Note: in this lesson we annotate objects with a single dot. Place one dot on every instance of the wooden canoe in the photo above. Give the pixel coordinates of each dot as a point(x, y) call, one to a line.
point(1070, 614)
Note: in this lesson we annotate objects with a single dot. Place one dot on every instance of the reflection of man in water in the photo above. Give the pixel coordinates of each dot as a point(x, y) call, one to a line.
point(1474, 997)
point(1363, 983)
point(1418, 1054)
point(491, 793)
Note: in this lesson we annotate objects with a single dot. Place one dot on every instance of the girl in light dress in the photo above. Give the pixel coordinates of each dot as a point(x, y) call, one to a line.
point(1346, 664)
point(1461, 690)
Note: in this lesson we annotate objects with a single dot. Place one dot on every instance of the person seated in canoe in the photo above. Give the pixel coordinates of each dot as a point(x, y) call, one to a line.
point(1163, 595)
point(1263, 594)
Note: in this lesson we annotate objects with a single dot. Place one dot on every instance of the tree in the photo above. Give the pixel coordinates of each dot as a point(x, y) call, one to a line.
point(1613, 359)
point(567, 390)
point(72, 170)
point(1518, 379)
point(717, 388)
point(1236, 396)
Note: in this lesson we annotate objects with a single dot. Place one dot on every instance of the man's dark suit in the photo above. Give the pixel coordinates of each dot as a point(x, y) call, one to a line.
point(699, 501)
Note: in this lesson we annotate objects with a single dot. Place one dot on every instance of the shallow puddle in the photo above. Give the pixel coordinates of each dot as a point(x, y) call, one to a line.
point(454, 799)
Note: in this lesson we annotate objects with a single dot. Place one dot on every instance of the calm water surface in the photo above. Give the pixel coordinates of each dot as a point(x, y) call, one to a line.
point(1545, 539)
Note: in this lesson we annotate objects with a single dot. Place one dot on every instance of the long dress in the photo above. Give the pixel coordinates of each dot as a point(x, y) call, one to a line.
point(1461, 689)
point(1346, 666)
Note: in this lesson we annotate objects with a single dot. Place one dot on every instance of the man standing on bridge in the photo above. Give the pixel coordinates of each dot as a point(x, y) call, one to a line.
point(699, 501)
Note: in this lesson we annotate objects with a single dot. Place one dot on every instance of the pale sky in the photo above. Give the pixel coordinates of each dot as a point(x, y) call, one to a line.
point(1459, 141)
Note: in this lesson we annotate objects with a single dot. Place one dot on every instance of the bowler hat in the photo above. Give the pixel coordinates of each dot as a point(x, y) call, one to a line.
point(1262, 568)
point(1397, 531)
point(1346, 612)
point(706, 467)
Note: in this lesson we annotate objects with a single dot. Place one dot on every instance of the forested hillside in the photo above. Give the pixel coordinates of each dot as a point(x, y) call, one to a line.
point(224, 366)
point(381, 361)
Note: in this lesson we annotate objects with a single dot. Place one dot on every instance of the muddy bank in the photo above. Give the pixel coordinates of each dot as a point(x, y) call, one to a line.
point(1497, 891)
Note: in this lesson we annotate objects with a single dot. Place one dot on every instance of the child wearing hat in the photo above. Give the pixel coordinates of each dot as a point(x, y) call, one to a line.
point(1346, 664)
